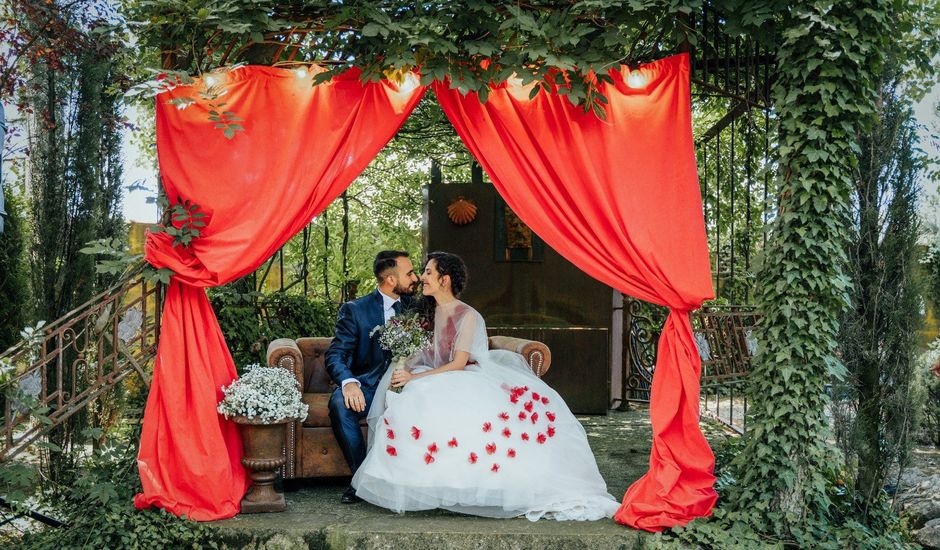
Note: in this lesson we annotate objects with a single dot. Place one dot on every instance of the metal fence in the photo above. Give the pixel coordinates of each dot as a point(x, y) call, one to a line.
point(63, 367)
point(726, 342)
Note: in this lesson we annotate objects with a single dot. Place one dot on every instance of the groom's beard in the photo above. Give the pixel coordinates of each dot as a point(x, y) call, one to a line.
point(406, 291)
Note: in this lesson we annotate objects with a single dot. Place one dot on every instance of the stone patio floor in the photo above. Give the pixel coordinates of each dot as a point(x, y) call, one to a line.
point(316, 519)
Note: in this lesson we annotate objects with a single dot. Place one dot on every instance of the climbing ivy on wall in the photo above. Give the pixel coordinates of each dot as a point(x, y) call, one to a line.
point(788, 487)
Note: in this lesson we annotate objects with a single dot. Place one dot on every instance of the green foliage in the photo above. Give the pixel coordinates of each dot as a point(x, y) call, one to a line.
point(75, 170)
point(824, 94)
point(931, 266)
point(250, 319)
point(99, 513)
point(928, 384)
point(239, 315)
point(876, 410)
point(385, 206)
point(551, 44)
point(14, 283)
point(182, 221)
point(296, 316)
point(852, 522)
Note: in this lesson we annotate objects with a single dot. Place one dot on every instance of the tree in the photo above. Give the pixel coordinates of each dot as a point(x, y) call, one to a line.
point(73, 112)
point(14, 285)
point(877, 340)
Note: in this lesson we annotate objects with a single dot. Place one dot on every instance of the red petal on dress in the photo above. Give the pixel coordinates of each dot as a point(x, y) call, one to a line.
point(504, 416)
point(495, 468)
point(550, 415)
point(528, 406)
point(432, 448)
point(490, 448)
point(536, 396)
point(511, 453)
point(551, 431)
point(452, 442)
point(525, 389)
point(506, 432)
point(415, 432)
point(514, 398)
point(544, 400)
point(473, 458)
point(535, 417)
point(525, 436)
point(487, 426)
point(390, 433)
point(391, 450)
point(523, 415)
point(428, 458)
point(385, 420)
point(541, 438)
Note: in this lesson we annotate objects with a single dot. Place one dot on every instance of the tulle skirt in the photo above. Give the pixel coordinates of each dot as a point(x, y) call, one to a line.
point(491, 440)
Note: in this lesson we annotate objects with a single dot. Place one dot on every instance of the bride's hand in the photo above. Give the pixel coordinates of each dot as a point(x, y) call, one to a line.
point(401, 377)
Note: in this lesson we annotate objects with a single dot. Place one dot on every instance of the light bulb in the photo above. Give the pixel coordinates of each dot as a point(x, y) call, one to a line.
point(301, 73)
point(409, 83)
point(636, 80)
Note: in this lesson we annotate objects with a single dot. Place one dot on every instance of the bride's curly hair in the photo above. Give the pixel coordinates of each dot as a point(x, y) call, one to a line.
point(447, 264)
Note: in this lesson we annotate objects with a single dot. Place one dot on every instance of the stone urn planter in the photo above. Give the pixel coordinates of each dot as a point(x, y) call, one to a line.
point(263, 443)
point(262, 402)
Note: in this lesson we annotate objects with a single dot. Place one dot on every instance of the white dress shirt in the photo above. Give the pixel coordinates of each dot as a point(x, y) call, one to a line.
point(389, 309)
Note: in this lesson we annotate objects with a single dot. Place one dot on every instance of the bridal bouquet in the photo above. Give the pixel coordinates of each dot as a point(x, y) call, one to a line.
point(404, 335)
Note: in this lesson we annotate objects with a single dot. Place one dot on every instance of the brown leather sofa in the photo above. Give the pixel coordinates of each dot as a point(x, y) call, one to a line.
point(311, 449)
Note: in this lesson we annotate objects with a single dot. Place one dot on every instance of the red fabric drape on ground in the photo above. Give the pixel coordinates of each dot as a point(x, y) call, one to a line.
point(302, 146)
point(620, 199)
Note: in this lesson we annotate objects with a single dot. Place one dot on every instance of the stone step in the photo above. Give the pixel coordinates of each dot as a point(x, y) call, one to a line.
point(315, 519)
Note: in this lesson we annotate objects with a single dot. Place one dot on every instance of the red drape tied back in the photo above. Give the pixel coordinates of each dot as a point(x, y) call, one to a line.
point(301, 147)
point(620, 199)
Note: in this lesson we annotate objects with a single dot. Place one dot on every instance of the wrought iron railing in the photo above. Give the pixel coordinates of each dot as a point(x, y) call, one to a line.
point(726, 341)
point(74, 360)
point(640, 340)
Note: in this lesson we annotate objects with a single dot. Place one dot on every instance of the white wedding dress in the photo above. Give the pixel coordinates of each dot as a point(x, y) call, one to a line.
point(490, 440)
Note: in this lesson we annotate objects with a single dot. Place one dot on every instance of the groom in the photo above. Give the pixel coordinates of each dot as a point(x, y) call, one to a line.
point(355, 361)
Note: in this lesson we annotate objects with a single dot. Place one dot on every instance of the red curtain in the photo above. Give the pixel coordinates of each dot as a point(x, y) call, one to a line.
point(620, 199)
point(301, 147)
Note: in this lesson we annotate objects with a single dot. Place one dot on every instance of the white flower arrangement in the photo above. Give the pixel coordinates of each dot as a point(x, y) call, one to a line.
point(270, 394)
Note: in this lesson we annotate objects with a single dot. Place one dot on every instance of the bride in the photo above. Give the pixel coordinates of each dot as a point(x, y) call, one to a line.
point(473, 430)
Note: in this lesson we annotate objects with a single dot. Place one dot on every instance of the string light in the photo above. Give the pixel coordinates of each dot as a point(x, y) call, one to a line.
point(636, 79)
point(409, 83)
point(301, 73)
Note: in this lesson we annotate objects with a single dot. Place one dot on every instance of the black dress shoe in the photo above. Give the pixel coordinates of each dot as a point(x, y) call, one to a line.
point(349, 496)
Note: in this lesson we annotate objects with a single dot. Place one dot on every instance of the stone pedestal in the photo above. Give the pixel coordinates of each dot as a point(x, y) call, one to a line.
point(263, 443)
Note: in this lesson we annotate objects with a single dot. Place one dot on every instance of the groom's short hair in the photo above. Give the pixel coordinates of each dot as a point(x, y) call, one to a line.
point(385, 260)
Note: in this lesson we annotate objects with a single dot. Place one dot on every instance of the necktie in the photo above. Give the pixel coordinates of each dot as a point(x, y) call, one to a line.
point(396, 307)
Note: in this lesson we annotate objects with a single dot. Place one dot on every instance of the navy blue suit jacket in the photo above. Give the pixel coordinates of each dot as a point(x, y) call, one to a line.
point(353, 353)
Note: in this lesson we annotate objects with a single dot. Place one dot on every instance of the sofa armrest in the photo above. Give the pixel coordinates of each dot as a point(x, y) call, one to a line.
point(536, 354)
point(284, 353)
